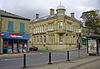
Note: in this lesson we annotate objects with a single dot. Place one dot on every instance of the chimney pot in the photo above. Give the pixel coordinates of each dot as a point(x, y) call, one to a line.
point(72, 15)
point(37, 16)
point(51, 11)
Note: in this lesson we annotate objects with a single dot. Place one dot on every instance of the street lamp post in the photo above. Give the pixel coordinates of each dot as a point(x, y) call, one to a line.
point(78, 42)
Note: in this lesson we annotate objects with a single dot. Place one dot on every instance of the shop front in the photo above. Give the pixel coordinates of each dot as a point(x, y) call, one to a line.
point(14, 43)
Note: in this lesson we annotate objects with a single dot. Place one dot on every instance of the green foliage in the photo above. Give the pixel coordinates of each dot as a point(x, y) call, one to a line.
point(92, 20)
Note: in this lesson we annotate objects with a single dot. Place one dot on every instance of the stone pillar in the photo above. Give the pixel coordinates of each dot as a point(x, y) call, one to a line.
point(56, 38)
point(64, 25)
point(64, 39)
point(47, 39)
point(55, 25)
point(42, 39)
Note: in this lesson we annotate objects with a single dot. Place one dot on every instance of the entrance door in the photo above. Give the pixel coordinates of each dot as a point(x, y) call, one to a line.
point(5, 46)
point(15, 46)
point(10, 46)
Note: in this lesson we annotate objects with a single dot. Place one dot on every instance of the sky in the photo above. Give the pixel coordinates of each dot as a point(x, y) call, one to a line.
point(28, 8)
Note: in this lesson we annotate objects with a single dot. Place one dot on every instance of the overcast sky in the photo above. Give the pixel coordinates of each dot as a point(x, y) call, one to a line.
point(28, 8)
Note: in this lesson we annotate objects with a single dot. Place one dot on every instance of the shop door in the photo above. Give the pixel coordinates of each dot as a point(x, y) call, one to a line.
point(5, 46)
point(10, 46)
point(15, 46)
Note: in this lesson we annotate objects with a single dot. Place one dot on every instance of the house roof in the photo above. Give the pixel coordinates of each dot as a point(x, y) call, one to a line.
point(51, 16)
point(11, 15)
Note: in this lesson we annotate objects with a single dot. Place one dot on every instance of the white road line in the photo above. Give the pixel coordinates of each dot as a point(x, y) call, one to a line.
point(10, 59)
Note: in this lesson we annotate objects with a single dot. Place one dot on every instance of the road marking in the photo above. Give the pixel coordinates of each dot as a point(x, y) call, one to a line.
point(10, 59)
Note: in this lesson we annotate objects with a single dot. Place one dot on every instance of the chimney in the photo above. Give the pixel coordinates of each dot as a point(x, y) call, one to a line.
point(72, 15)
point(37, 16)
point(51, 11)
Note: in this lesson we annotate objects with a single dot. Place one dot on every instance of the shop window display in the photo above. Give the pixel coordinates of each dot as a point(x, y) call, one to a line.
point(20, 48)
point(9, 48)
point(15, 46)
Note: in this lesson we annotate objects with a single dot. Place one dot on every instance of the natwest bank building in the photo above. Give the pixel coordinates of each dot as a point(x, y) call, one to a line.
point(14, 42)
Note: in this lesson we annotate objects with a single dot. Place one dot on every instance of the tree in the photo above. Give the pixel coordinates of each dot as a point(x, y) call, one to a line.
point(92, 20)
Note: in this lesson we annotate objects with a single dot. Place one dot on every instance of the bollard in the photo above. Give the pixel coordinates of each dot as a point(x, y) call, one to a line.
point(24, 61)
point(68, 56)
point(49, 58)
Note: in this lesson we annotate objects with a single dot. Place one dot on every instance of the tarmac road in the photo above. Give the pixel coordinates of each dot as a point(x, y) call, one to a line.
point(40, 58)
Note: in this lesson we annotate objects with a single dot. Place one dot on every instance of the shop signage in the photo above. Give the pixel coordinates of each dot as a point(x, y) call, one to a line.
point(1, 34)
point(16, 36)
point(92, 46)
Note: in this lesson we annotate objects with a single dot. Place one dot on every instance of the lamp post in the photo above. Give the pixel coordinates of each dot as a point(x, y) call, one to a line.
point(78, 42)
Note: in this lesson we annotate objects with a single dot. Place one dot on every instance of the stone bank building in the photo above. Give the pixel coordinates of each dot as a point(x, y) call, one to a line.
point(55, 31)
point(14, 33)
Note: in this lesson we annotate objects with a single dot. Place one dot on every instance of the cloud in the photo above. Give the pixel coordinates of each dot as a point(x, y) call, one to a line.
point(28, 8)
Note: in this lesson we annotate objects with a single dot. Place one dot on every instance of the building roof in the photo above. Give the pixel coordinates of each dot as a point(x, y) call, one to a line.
point(51, 16)
point(92, 35)
point(11, 15)
point(43, 18)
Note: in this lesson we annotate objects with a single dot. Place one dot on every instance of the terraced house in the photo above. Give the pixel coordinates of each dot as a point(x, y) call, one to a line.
point(14, 33)
point(55, 31)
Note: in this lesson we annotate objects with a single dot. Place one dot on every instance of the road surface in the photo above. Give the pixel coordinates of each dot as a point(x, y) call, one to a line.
point(40, 58)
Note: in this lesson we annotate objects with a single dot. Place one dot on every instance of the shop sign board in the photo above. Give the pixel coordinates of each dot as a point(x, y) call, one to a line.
point(1, 34)
point(16, 36)
point(8, 35)
point(92, 46)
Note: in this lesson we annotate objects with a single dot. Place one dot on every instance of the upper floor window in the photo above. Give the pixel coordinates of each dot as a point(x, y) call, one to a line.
point(10, 26)
point(50, 27)
point(38, 29)
point(60, 25)
point(22, 28)
point(35, 29)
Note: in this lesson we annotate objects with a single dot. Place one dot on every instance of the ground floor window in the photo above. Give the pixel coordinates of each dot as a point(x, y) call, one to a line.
point(15, 46)
point(60, 37)
point(41, 39)
point(44, 39)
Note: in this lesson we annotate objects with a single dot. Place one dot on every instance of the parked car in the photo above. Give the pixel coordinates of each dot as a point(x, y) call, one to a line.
point(33, 48)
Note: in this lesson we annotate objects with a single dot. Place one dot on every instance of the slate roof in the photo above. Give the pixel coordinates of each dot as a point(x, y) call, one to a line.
point(11, 15)
point(51, 16)
point(43, 18)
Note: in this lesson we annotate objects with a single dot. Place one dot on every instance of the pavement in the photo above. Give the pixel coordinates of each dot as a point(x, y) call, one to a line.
point(87, 62)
